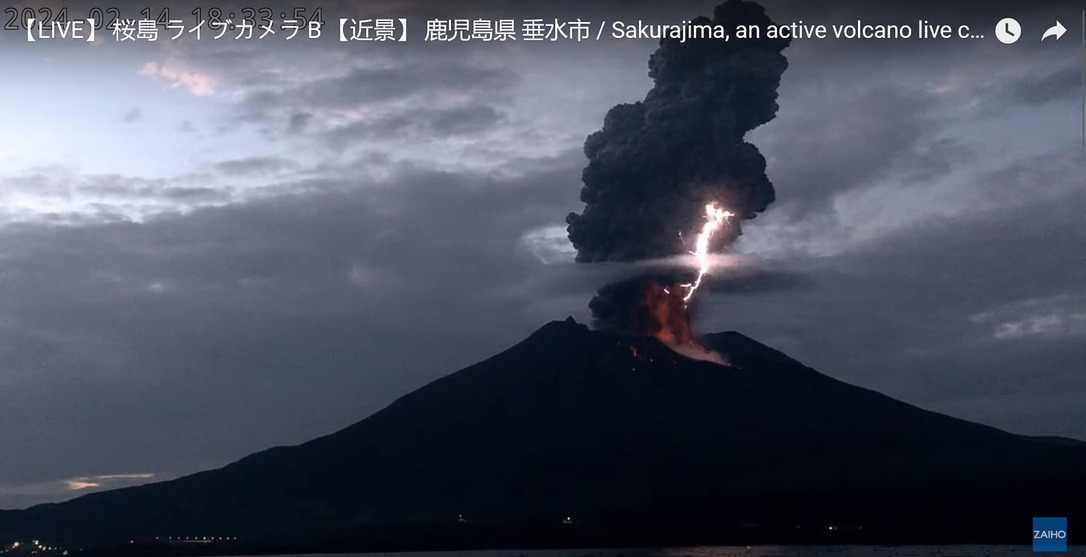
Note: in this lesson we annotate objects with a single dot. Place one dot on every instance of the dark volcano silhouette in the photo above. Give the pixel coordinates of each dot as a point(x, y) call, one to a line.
point(631, 442)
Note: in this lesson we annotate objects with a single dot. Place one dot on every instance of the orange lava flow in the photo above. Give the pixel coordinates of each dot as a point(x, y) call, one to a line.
point(671, 324)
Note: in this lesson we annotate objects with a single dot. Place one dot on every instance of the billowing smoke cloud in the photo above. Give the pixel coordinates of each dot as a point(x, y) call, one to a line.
point(630, 301)
point(657, 162)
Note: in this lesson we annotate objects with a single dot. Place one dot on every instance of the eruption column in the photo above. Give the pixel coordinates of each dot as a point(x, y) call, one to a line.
point(656, 162)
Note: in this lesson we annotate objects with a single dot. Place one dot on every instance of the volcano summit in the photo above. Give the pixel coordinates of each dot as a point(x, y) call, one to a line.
point(580, 437)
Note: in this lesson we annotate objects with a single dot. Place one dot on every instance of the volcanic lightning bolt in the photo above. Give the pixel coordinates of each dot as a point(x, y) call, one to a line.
point(715, 217)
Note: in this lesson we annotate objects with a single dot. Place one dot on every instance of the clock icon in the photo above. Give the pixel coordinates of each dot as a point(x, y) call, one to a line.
point(1008, 30)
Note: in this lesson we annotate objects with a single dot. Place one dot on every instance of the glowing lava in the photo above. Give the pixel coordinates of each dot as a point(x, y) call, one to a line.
point(670, 321)
point(669, 316)
point(714, 219)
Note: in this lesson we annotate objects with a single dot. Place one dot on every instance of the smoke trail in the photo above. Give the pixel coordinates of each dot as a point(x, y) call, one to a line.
point(656, 163)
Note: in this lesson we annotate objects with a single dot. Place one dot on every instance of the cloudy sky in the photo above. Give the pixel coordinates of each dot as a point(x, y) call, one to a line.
point(212, 247)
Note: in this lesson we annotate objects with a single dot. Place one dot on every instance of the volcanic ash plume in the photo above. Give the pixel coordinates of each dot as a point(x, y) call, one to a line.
point(661, 168)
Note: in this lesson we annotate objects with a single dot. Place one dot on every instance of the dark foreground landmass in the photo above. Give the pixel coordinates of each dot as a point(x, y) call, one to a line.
point(579, 438)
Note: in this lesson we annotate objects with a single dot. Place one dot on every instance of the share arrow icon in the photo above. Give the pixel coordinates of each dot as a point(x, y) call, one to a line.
point(1056, 30)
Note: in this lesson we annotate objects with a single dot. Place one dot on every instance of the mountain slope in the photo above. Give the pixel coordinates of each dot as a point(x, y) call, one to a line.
point(615, 431)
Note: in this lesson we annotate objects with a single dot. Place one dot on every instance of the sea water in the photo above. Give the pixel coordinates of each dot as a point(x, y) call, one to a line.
point(742, 551)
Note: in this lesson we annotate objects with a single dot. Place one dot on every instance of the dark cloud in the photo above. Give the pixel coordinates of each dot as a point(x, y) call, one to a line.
point(103, 197)
point(406, 96)
point(298, 122)
point(373, 85)
point(428, 123)
point(753, 278)
point(321, 307)
point(252, 165)
point(901, 113)
point(16, 496)
point(133, 114)
point(1027, 180)
point(951, 314)
point(150, 190)
point(1044, 87)
point(366, 86)
point(841, 139)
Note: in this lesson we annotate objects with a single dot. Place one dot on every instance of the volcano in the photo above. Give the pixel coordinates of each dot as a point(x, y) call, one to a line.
point(582, 437)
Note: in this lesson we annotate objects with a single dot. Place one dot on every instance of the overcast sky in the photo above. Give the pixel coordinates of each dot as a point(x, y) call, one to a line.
point(210, 248)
